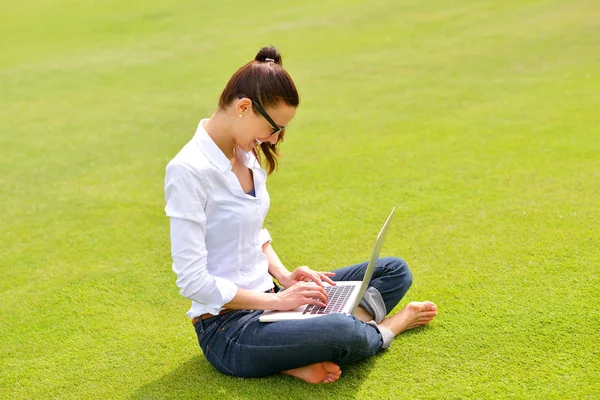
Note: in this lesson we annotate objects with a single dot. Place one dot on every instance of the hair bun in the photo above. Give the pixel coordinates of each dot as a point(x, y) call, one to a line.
point(267, 54)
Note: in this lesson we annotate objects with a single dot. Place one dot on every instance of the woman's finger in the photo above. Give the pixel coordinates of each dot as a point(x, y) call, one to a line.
point(325, 276)
point(316, 278)
point(316, 294)
point(312, 290)
point(316, 302)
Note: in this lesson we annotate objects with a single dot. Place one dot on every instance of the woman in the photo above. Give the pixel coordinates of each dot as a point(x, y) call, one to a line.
point(217, 201)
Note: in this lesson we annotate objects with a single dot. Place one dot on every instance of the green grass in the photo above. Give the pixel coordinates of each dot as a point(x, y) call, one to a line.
point(478, 119)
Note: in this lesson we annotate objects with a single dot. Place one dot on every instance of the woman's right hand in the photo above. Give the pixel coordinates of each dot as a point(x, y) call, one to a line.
point(301, 293)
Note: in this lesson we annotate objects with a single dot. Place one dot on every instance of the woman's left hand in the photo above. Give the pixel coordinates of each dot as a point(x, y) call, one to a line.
point(305, 274)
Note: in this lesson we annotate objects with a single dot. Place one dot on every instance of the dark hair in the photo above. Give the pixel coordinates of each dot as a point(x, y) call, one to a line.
point(265, 81)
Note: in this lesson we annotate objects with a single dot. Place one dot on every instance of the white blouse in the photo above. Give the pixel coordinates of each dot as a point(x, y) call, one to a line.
point(216, 228)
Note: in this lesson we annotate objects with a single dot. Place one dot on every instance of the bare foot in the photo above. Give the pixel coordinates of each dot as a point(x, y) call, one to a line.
point(323, 372)
point(414, 315)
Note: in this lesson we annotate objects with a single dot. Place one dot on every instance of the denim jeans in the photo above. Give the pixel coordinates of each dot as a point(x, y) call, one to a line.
point(238, 344)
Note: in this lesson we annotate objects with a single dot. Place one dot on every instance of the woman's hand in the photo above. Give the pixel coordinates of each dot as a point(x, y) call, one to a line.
point(299, 294)
point(305, 274)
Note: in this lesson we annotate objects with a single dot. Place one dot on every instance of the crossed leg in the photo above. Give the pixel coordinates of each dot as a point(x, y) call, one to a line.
point(414, 315)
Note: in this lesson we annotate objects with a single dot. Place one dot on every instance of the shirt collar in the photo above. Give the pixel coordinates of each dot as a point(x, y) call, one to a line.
point(259, 174)
point(210, 148)
point(216, 156)
point(249, 159)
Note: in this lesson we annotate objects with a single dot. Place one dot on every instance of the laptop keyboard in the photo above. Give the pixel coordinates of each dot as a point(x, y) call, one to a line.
point(337, 295)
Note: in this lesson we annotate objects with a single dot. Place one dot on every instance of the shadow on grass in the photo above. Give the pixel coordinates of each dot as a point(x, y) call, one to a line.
point(197, 379)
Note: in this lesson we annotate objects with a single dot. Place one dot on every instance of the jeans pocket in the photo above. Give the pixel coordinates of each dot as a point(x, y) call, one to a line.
point(227, 320)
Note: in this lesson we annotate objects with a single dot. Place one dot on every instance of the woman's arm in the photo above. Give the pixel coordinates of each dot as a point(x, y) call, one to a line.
point(186, 200)
point(297, 295)
point(276, 267)
point(189, 262)
point(300, 274)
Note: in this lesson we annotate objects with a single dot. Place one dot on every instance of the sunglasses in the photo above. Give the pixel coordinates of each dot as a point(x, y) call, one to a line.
point(276, 128)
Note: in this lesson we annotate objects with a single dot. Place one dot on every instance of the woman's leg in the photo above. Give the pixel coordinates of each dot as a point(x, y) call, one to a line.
point(239, 344)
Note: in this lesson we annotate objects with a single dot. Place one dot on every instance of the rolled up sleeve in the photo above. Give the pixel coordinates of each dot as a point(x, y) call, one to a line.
point(264, 236)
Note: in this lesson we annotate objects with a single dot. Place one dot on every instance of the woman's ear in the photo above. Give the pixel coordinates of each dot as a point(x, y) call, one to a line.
point(243, 105)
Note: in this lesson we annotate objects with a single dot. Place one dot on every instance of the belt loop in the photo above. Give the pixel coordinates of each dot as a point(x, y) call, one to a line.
point(198, 325)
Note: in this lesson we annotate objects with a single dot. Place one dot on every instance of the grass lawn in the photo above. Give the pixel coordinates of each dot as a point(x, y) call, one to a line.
point(479, 120)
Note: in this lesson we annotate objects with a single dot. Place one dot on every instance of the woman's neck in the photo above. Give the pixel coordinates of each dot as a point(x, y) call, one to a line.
point(219, 130)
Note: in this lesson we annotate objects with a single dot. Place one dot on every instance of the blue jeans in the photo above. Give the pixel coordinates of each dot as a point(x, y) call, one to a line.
point(238, 344)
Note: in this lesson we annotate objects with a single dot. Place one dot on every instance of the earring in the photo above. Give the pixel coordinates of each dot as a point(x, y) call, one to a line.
point(240, 115)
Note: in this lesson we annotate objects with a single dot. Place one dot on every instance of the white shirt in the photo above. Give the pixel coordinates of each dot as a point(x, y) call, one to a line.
point(216, 228)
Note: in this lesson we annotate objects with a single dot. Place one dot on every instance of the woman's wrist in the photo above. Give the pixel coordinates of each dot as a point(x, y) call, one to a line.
point(276, 267)
point(279, 272)
point(273, 302)
point(283, 276)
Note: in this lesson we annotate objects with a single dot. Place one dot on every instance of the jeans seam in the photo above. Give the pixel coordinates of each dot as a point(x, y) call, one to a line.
point(208, 350)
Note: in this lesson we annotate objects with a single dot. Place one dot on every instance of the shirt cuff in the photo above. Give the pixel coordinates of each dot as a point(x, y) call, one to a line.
point(264, 236)
point(226, 288)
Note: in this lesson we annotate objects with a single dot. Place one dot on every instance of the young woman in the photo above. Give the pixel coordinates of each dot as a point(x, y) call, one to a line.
point(217, 201)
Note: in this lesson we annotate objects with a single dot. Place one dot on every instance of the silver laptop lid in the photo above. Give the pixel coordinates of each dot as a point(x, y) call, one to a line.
point(373, 261)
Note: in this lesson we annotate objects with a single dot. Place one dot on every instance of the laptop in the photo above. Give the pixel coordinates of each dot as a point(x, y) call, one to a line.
point(344, 297)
